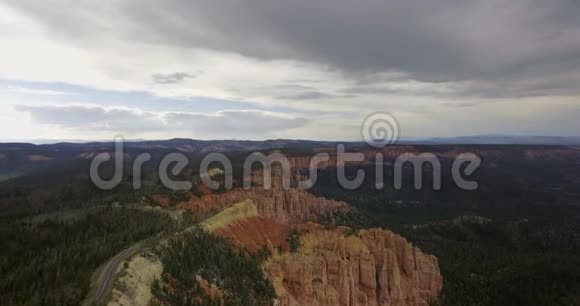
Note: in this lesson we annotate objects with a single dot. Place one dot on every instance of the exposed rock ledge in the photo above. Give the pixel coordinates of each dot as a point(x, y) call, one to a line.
point(133, 286)
point(374, 267)
point(284, 206)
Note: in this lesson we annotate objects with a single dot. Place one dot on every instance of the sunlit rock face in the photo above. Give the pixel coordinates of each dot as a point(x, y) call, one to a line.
point(373, 267)
point(290, 206)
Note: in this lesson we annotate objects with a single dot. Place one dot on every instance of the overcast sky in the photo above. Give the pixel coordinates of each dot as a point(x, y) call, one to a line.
point(287, 69)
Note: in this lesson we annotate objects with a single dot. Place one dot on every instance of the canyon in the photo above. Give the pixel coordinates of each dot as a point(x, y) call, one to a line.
point(332, 266)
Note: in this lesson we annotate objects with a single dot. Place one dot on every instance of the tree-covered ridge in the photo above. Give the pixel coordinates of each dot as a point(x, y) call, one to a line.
point(523, 249)
point(495, 261)
point(200, 254)
point(517, 262)
point(51, 262)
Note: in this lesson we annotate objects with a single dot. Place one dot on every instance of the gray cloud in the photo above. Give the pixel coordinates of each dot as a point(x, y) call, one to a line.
point(313, 95)
point(511, 47)
point(93, 118)
point(172, 78)
point(232, 122)
point(228, 123)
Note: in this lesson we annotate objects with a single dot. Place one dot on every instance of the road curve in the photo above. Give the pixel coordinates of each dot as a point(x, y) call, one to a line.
point(100, 290)
point(104, 284)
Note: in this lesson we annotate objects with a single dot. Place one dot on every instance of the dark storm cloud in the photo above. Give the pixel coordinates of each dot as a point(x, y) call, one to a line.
point(521, 44)
point(501, 87)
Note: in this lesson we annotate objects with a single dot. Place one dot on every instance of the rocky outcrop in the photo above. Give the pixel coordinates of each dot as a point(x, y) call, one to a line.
point(374, 267)
point(371, 268)
point(255, 233)
point(39, 158)
point(293, 206)
point(240, 211)
point(244, 228)
point(543, 154)
point(284, 206)
point(212, 291)
point(161, 200)
point(133, 284)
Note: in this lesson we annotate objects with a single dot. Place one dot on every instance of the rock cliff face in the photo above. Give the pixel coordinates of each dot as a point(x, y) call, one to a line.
point(133, 286)
point(284, 206)
point(242, 226)
point(255, 233)
point(374, 267)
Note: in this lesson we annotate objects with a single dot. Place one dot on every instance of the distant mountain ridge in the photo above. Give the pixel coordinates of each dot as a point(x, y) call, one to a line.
point(228, 145)
point(20, 159)
point(504, 139)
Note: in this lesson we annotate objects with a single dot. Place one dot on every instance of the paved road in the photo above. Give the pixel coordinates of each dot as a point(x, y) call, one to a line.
point(105, 281)
point(103, 286)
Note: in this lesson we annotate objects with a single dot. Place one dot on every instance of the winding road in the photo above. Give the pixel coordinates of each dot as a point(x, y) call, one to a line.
point(103, 287)
point(100, 290)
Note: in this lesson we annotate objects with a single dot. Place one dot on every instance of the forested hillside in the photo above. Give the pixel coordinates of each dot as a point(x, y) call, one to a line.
point(51, 261)
point(200, 254)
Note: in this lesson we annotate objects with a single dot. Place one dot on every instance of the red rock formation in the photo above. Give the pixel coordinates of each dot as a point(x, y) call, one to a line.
point(375, 267)
point(162, 200)
point(284, 206)
point(256, 233)
point(543, 154)
point(39, 158)
point(372, 268)
point(211, 290)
